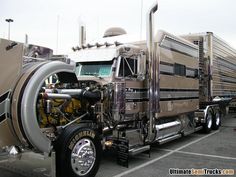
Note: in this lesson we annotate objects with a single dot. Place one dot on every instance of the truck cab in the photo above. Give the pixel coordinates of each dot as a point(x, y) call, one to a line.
point(121, 68)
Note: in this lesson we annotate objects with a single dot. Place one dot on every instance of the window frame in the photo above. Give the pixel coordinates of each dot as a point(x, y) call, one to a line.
point(133, 71)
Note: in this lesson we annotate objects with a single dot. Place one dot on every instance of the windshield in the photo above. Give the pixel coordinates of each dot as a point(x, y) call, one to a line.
point(99, 69)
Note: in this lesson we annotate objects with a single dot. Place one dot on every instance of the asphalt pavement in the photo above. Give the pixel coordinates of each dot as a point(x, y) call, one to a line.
point(216, 150)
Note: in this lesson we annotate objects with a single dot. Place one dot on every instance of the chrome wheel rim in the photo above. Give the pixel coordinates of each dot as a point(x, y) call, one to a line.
point(83, 157)
point(209, 120)
point(217, 118)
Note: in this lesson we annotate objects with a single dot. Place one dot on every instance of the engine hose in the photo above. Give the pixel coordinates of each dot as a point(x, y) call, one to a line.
point(92, 96)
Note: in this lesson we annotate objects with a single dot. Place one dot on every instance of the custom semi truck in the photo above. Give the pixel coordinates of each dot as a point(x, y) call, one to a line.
point(116, 96)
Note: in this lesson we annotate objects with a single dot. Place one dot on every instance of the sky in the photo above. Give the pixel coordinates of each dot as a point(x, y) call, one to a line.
point(55, 23)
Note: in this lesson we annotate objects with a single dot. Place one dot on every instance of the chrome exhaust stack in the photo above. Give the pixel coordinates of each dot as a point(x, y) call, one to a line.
point(153, 73)
point(82, 35)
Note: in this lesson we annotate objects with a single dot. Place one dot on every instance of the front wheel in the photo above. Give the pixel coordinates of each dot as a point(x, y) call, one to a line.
point(78, 152)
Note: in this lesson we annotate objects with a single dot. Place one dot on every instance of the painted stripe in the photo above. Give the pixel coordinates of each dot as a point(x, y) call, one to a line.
point(178, 94)
point(166, 63)
point(166, 94)
point(166, 73)
point(168, 89)
point(163, 99)
point(179, 90)
point(163, 156)
point(3, 97)
point(136, 100)
point(136, 89)
point(172, 74)
point(225, 96)
point(180, 98)
point(192, 77)
point(2, 106)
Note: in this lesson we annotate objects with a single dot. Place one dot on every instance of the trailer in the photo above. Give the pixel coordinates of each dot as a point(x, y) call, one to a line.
point(217, 67)
point(217, 64)
point(112, 96)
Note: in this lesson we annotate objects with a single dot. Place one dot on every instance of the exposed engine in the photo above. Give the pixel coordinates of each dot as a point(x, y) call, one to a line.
point(56, 109)
point(61, 103)
point(57, 112)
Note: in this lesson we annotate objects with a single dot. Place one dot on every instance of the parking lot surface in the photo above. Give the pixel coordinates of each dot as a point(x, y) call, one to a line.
point(198, 151)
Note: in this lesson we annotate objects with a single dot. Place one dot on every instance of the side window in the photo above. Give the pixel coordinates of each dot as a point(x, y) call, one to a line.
point(128, 68)
point(179, 69)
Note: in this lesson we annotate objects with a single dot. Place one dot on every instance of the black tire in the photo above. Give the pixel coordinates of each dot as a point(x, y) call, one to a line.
point(216, 120)
point(208, 124)
point(77, 139)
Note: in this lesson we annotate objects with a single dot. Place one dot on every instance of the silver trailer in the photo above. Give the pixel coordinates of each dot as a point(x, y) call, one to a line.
point(217, 61)
point(217, 64)
point(121, 97)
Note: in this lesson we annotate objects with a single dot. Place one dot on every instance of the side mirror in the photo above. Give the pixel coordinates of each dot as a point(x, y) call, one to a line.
point(141, 66)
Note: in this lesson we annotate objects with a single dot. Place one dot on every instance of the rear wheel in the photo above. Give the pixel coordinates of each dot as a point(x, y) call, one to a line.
point(78, 152)
point(209, 119)
point(216, 120)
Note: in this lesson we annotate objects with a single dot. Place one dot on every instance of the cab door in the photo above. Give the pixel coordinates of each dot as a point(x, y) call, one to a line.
point(131, 71)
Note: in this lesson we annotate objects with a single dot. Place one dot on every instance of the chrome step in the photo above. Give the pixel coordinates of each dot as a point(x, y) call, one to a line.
point(138, 150)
